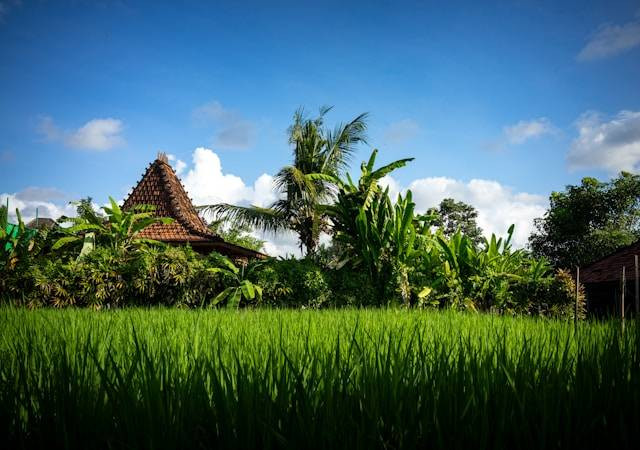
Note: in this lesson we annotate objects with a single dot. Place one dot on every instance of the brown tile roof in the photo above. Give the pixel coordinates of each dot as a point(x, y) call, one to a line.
point(161, 187)
point(41, 223)
point(609, 268)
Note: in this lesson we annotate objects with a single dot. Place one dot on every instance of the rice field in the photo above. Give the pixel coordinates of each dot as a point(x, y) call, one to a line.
point(168, 378)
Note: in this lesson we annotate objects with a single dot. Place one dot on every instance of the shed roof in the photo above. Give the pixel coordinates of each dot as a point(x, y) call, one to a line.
point(610, 267)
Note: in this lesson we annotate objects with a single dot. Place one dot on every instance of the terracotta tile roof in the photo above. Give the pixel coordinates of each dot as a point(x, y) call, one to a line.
point(609, 268)
point(161, 187)
point(41, 223)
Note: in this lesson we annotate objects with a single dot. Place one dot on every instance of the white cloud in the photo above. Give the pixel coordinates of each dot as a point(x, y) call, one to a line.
point(610, 40)
point(401, 131)
point(47, 201)
point(96, 134)
point(232, 131)
point(207, 184)
point(612, 145)
point(498, 206)
point(525, 130)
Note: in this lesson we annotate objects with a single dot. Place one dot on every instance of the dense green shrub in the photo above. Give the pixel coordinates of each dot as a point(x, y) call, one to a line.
point(111, 277)
point(294, 283)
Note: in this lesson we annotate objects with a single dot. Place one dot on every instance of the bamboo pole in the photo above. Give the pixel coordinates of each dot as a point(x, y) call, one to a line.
point(637, 286)
point(575, 310)
point(624, 288)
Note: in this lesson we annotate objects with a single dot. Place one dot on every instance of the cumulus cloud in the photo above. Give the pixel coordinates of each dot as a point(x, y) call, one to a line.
point(231, 130)
point(401, 131)
point(207, 184)
point(612, 145)
point(498, 205)
point(49, 202)
point(610, 40)
point(96, 134)
point(525, 130)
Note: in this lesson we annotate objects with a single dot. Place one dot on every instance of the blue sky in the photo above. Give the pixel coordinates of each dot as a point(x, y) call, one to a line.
point(529, 96)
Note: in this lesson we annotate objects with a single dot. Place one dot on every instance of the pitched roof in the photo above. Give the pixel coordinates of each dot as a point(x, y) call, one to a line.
point(610, 267)
point(41, 223)
point(161, 187)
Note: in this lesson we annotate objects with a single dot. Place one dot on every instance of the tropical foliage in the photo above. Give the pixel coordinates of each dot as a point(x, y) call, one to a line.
point(117, 228)
point(588, 221)
point(241, 289)
point(16, 241)
point(409, 260)
point(382, 252)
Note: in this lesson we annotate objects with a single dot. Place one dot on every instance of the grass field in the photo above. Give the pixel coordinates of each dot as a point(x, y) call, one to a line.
point(314, 379)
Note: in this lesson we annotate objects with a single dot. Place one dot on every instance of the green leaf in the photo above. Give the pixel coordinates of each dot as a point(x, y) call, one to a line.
point(64, 241)
point(247, 289)
point(234, 299)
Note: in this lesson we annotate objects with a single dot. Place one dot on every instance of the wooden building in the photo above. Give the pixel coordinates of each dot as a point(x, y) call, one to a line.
point(603, 282)
point(161, 188)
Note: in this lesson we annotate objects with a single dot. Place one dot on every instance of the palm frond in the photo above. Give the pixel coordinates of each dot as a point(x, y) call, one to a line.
point(342, 141)
point(265, 219)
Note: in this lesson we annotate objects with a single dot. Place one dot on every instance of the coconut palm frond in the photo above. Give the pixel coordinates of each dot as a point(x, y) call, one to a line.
point(342, 141)
point(292, 180)
point(265, 219)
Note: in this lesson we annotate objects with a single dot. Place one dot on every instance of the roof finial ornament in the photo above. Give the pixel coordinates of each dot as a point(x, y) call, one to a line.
point(162, 156)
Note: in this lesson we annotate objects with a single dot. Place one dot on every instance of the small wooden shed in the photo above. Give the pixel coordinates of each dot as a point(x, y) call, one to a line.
point(603, 282)
point(161, 188)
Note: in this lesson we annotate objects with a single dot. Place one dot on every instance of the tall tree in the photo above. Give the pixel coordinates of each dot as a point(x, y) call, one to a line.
point(317, 150)
point(588, 221)
point(452, 216)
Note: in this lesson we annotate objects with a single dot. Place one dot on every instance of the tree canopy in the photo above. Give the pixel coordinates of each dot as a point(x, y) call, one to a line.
point(453, 215)
point(588, 221)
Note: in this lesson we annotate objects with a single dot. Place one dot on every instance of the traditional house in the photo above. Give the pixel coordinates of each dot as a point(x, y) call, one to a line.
point(161, 188)
point(604, 284)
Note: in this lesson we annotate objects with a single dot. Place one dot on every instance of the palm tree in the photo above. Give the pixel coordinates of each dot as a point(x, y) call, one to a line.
point(319, 155)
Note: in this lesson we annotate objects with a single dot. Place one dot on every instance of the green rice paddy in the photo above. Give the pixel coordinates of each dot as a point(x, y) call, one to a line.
point(168, 378)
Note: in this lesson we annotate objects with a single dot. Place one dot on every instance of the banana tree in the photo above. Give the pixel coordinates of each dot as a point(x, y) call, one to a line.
point(241, 289)
point(117, 228)
point(16, 241)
